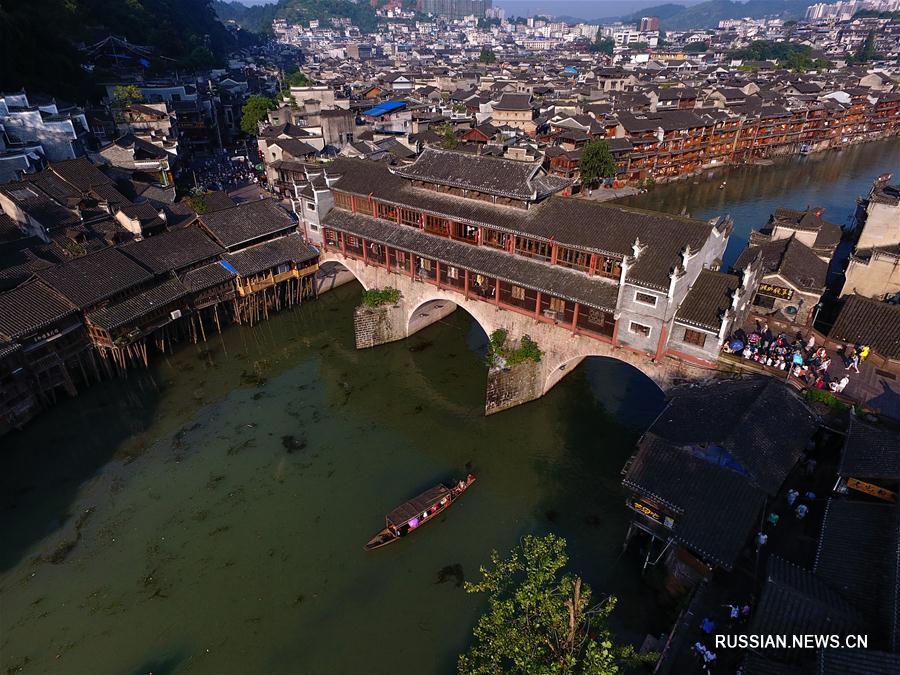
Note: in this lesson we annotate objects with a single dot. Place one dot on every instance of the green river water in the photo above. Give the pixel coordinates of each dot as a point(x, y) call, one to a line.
point(160, 524)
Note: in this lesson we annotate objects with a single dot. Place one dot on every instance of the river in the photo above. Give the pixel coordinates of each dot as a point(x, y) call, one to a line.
point(168, 524)
point(207, 515)
point(830, 179)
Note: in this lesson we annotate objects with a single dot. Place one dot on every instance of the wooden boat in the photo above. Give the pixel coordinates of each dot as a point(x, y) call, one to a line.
point(418, 511)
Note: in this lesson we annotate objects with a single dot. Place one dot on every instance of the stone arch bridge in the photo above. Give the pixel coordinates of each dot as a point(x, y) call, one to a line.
point(422, 304)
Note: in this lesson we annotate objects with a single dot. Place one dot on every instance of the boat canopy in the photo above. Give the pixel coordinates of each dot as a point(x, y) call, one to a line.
point(415, 506)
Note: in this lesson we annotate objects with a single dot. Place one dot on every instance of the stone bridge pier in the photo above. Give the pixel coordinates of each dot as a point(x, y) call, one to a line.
point(423, 304)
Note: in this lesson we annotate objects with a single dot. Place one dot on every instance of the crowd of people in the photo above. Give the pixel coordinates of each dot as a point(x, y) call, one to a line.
point(730, 617)
point(799, 356)
point(223, 172)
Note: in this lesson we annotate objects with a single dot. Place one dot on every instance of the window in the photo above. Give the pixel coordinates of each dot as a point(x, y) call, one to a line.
point(766, 301)
point(343, 201)
point(639, 329)
point(409, 217)
point(533, 249)
point(493, 238)
point(577, 260)
point(425, 264)
point(645, 299)
point(387, 212)
point(694, 337)
point(518, 293)
point(557, 304)
point(453, 272)
point(609, 267)
point(311, 206)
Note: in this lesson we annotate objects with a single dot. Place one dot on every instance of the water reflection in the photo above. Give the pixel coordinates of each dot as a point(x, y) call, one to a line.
point(831, 179)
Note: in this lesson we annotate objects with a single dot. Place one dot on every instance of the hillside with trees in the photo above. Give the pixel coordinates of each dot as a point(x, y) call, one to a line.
point(38, 39)
point(709, 14)
point(258, 18)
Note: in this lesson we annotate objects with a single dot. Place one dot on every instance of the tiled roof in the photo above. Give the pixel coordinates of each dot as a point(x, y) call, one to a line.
point(559, 281)
point(174, 250)
point(794, 601)
point(792, 260)
point(717, 509)
point(80, 173)
point(504, 177)
point(858, 556)
point(856, 662)
point(131, 309)
point(246, 222)
point(869, 322)
point(582, 223)
point(29, 308)
point(95, 277)
point(261, 257)
point(708, 300)
point(206, 277)
point(870, 452)
point(737, 417)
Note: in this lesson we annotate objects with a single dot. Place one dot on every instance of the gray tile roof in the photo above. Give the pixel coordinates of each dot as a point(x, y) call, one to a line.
point(174, 250)
point(737, 416)
point(246, 222)
point(707, 301)
point(717, 509)
point(491, 175)
point(791, 259)
point(95, 277)
point(858, 556)
point(870, 452)
point(261, 257)
point(206, 277)
point(794, 601)
point(869, 322)
point(123, 312)
point(30, 308)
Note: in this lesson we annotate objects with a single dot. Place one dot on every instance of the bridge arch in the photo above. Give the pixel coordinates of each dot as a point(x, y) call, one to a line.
point(426, 311)
point(559, 368)
point(333, 273)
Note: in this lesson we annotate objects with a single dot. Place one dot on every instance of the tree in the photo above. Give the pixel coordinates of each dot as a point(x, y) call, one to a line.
point(695, 47)
point(296, 78)
point(866, 51)
point(448, 136)
point(487, 55)
point(603, 45)
point(596, 161)
point(123, 95)
point(661, 40)
point(541, 620)
point(254, 112)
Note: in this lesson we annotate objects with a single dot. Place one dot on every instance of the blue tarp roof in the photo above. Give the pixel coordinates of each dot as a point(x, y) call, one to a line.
point(570, 69)
point(384, 108)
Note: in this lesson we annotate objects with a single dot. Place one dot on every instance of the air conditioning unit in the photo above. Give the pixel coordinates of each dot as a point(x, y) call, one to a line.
point(176, 314)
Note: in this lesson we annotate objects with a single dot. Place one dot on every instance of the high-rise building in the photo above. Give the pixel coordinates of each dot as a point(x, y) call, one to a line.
point(649, 23)
point(456, 9)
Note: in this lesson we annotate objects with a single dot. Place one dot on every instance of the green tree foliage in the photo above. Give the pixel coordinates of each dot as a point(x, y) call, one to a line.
point(695, 47)
point(258, 18)
point(384, 296)
point(541, 620)
point(448, 136)
point(487, 55)
point(487, 23)
point(125, 94)
point(603, 45)
point(501, 353)
point(37, 38)
point(297, 78)
point(866, 51)
point(596, 161)
point(639, 46)
point(254, 111)
point(708, 14)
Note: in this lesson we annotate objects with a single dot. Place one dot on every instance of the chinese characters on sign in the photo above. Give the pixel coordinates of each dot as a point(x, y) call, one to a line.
point(776, 291)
